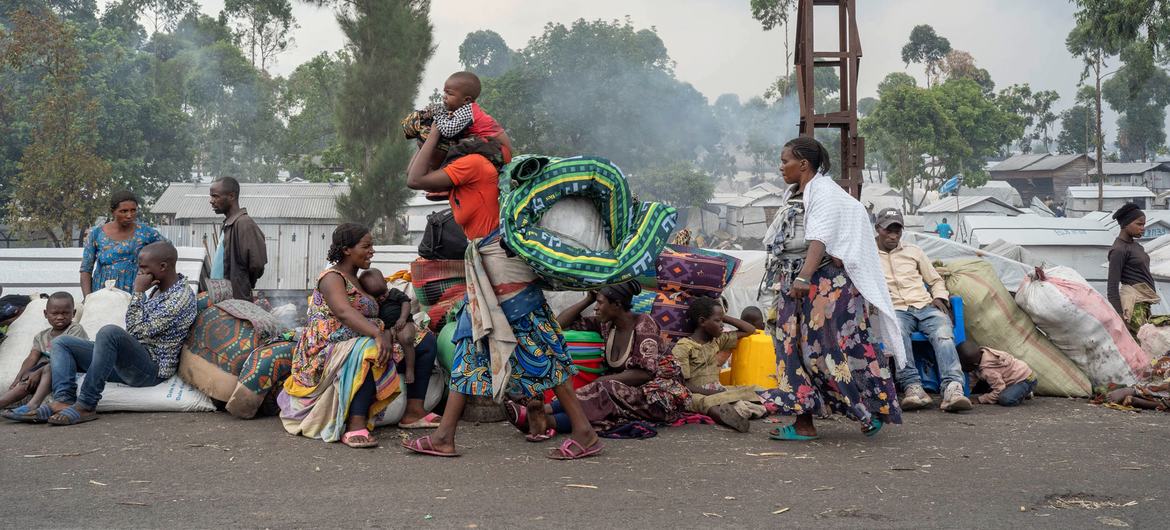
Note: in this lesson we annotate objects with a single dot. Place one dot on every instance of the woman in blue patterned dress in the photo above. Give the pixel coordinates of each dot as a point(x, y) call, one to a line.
point(111, 250)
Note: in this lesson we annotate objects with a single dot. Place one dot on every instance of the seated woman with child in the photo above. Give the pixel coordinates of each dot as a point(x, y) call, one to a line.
point(644, 381)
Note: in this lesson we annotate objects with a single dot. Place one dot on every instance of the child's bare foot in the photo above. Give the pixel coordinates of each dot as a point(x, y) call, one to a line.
point(538, 421)
point(409, 375)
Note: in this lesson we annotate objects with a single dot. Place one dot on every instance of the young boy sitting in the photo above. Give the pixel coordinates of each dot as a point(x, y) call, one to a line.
point(35, 377)
point(394, 312)
point(1011, 379)
point(703, 354)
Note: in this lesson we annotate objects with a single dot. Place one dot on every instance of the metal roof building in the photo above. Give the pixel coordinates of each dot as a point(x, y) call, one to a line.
point(297, 220)
point(1083, 199)
point(305, 201)
point(1152, 175)
point(1042, 175)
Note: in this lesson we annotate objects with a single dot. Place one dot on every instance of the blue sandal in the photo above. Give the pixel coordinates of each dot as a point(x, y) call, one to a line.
point(788, 434)
point(875, 425)
point(24, 414)
point(71, 416)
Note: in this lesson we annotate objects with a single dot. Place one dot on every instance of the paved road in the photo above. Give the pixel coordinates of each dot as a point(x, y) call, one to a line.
point(1051, 463)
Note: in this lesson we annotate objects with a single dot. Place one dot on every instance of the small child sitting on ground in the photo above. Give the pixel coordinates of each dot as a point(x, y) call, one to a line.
point(752, 315)
point(1011, 379)
point(35, 376)
point(703, 354)
point(394, 312)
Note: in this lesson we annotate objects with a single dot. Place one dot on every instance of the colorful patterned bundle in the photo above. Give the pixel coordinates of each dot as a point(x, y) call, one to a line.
point(637, 231)
point(695, 271)
point(439, 286)
point(224, 358)
point(670, 313)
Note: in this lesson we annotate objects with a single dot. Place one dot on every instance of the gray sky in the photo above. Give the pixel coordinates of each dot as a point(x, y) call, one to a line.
point(719, 48)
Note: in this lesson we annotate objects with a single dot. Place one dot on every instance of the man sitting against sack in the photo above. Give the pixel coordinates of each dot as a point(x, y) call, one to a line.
point(907, 271)
point(144, 354)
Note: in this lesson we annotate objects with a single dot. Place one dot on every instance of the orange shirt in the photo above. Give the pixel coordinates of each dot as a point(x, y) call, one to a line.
point(475, 197)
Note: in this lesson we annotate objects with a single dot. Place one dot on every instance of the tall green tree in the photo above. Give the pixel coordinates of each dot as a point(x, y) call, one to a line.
point(389, 43)
point(1077, 126)
point(959, 64)
point(485, 53)
point(1139, 92)
point(772, 13)
point(928, 48)
point(1036, 110)
point(927, 135)
point(60, 176)
point(308, 105)
point(261, 28)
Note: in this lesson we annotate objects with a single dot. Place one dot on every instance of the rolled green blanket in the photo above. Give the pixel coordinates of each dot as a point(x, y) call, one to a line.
point(637, 231)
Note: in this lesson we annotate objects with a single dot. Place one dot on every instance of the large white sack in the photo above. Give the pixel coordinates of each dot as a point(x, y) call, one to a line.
point(435, 391)
point(1155, 340)
point(14, 350)
point(172, 395)
point(576, 221)
point(102, 308)
point(1079, 321)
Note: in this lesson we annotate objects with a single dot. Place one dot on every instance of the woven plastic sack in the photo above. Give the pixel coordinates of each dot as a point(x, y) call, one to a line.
point(1079, 321)
point(994, 320)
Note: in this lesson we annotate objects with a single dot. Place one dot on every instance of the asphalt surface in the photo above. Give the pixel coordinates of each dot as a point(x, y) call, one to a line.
point(1050, 463)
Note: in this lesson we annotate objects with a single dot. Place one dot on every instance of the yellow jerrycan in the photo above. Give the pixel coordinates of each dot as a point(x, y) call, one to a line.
point(754, 361)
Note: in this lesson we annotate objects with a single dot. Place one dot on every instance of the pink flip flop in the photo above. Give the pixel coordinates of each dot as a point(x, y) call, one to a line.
point(565, 451)
point(370, 442)
point(430, 421)
point(424, 446)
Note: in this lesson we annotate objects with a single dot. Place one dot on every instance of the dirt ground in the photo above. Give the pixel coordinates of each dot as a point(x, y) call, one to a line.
point(1050, 463)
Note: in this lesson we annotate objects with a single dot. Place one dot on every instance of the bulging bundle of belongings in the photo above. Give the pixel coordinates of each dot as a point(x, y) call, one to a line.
point(993, 320)
point(636, 231)
point(101, 308)
point(1084, 326)
point(439, 286)
point(239, 354)
point(681, 274)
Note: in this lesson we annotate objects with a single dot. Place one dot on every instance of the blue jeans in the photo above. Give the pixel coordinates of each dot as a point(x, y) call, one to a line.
point(114, 356)
point(1016, 393)
point(937, 327)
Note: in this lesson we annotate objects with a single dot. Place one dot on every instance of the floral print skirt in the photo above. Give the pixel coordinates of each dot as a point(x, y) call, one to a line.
point(828, 357)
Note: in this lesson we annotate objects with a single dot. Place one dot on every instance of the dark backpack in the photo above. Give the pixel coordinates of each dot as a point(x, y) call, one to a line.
point(443, 238)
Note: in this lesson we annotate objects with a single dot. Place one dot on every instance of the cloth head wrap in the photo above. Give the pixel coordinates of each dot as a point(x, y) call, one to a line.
point(1127, 214)
point(622, 293)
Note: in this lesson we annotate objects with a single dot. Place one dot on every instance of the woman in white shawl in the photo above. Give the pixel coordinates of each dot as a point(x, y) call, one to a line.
point(824, 267)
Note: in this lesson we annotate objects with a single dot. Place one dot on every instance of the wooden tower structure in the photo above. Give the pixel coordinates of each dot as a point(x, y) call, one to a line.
point(846, 59)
